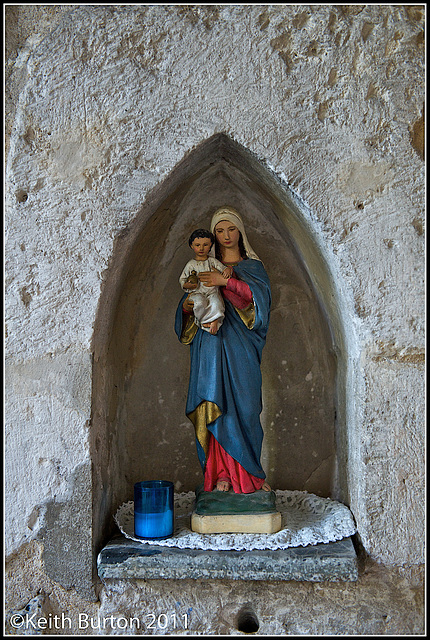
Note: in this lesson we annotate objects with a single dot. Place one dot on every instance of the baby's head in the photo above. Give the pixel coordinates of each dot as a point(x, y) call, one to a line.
point(201, 241)
point(201, 233)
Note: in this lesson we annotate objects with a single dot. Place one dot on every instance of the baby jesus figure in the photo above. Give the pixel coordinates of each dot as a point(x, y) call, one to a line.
point(208, 306)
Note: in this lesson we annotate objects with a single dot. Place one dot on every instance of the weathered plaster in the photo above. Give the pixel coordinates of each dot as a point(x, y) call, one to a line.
point(103, 103)
point(380, 604)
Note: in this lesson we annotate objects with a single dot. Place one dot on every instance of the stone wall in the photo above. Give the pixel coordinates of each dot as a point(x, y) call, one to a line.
point(108, 107)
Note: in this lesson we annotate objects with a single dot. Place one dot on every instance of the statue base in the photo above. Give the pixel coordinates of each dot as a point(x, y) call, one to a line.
point(250, 523)
point(229, 512)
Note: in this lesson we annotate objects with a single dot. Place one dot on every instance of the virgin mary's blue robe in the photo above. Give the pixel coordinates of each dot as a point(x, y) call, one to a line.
point(224, 393)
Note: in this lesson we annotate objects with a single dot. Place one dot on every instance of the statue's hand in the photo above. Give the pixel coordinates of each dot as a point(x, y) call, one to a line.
point(212, 279)
point(188, 304)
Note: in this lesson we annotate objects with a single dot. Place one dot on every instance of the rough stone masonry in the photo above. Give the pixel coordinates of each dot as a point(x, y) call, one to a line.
point(109, 110)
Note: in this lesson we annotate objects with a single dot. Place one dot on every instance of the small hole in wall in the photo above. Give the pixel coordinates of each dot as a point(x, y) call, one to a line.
point(21, 195)
point(247, 621)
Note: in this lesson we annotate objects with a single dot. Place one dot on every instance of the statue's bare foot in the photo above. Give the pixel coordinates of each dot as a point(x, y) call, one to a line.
point(213, 327)
point(265, 486)
point(223, 485)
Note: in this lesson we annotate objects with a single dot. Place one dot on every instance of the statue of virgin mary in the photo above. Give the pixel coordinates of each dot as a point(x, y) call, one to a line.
point(224, 394)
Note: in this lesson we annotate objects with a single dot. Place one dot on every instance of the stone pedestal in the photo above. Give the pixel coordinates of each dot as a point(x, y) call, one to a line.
point(229, 512)
point(124, 559)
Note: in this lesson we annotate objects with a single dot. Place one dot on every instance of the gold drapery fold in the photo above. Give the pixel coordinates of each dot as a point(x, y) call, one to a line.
point(204, 414)
point(189, 330)
point(247, 315)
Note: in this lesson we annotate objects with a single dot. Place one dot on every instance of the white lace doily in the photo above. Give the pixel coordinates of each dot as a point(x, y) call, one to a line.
point(307, 519)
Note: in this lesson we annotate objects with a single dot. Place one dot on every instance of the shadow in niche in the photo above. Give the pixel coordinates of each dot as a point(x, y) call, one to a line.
point(140, 374)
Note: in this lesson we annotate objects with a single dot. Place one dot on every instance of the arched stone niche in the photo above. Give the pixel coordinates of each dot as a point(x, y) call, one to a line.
point(140, 375)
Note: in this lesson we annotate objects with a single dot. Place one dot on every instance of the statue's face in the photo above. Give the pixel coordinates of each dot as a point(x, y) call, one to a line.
point(201, 247)
point(227, 234)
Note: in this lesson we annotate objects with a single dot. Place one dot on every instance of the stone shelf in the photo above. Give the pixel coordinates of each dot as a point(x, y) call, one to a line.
point(124, 559)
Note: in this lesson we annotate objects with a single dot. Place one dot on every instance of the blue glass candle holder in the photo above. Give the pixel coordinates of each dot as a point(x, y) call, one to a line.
point(153, 509)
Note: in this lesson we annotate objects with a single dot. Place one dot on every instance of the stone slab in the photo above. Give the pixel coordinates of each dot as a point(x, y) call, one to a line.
point(237, 523)
point(124, 559)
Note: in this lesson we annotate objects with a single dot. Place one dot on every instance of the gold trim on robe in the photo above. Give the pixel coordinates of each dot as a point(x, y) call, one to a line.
point(189, 330)
point(247, 315)
point(204, 414)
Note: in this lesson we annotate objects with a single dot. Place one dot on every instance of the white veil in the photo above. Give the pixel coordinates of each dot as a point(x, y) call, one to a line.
point(230, 214)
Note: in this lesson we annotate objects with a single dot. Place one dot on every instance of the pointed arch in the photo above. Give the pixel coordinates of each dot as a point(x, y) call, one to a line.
point(140, 372)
